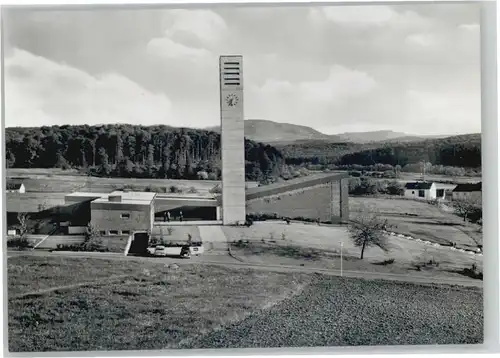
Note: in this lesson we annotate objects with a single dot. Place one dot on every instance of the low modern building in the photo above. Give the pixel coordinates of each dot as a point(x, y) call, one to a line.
point(468, 191)
point(15, 188)
point(323, 197)
point(122, 213)
point(423, 191)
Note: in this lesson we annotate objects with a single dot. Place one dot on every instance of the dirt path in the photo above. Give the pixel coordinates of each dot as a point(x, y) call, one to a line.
point(68, 287)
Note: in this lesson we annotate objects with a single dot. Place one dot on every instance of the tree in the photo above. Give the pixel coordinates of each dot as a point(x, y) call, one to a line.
point(467, 209)
point(368, 231)
point(23, 218)
point(22, 240)
point(93, 241)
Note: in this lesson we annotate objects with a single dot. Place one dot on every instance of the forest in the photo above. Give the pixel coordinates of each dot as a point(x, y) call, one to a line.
point(183, 153)
point(134, 151)
point(457, 151)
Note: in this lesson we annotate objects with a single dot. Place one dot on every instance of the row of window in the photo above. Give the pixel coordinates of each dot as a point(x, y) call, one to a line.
point(115, 232)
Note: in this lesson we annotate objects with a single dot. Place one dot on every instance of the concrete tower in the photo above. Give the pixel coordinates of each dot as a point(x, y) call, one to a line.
point(232, 139)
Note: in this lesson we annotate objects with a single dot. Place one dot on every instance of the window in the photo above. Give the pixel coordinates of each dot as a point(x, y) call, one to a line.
point(125, 232)
point(421, 193)
point(413, 192)
point(113, 232)
point(125, 216)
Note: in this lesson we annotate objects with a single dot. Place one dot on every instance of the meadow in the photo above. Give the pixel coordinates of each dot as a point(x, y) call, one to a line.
point(320, 246)
point(58, 304)
point(152, 307)
point(419, 219)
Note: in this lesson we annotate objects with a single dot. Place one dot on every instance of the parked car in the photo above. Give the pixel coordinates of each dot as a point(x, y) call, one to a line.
point(159, 251)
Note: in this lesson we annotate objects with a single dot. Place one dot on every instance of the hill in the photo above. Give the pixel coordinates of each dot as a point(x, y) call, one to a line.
point(284, 133)
point(382, 136)
point(458, 151)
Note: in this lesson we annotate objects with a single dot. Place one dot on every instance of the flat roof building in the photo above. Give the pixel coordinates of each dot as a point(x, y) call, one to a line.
point(122, 213)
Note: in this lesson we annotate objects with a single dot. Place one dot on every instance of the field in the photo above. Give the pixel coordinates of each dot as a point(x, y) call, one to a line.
point(420, 220)
point(153, 307)
point(33, 202)
point(95, 304)
point(319, 246)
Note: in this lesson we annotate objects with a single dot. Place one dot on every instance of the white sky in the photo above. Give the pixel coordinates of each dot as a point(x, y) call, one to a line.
point(414, 69)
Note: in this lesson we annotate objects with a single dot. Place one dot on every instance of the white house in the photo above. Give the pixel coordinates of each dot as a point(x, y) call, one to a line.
point(421, 190)
point(16, 188)
point(468, 191)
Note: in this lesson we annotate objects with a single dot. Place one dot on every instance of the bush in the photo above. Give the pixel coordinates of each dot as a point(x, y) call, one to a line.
point(174, 189)
point(192, 190)
point(216, 190)
point(19, 242)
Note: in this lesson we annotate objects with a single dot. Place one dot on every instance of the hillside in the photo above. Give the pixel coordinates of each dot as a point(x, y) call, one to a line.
point(285, 133)
point(382, 136)
point(457, 151)
point(272, 132)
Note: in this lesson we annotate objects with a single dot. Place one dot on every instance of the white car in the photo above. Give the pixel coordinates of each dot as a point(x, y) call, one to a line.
point(157, 250)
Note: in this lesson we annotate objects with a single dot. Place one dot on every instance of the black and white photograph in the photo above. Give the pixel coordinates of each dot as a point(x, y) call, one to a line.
point(228, 176)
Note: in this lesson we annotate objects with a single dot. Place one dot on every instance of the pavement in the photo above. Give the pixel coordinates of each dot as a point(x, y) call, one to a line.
point(228, 261)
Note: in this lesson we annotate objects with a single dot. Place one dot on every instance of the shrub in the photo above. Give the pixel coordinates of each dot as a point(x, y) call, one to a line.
point(192, 190)
point(216, 190)
point(174, 189)
point(19, 242)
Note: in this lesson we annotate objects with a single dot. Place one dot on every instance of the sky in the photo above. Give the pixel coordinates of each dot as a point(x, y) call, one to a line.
point(412, 69)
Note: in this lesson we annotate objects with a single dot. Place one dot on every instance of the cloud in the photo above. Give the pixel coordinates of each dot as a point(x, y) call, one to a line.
point(469, 27)
point(207, 26)
point(41, 92)
point(167, 48)
point(341, 83)
point(424, 40)
point(369, 14)
point(373, 15)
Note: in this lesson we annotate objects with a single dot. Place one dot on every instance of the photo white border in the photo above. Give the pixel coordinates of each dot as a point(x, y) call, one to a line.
point(490, 173)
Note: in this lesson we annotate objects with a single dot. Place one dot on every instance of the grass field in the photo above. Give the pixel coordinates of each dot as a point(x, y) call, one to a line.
point(157, 307)
point(419, 219)
point(32, 202)
point(67, 183)
point(320, 246)
point(154, 307)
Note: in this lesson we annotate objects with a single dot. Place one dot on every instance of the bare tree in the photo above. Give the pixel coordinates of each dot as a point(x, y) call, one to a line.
point(369, 230)
point(23, 219)
point(465, 207)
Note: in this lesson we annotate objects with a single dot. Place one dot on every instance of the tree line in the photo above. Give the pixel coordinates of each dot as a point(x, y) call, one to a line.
point(457, 151)
point(134, 151)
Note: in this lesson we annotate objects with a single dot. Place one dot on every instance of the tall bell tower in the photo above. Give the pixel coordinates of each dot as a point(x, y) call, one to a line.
point(232, 140)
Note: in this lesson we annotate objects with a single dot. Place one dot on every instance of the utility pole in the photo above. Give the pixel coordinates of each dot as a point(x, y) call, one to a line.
point(341, 259)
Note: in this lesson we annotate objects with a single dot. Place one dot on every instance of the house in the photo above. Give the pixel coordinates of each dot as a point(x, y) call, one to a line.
point(468, 191)
point(15, 188)
point(421, 190)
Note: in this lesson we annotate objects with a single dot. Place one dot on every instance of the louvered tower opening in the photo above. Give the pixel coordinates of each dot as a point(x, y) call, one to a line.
point(231, 73)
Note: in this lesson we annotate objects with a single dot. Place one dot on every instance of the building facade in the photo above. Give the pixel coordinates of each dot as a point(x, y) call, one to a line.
point(123, 213)
point(469, 192)
point(421, 191)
